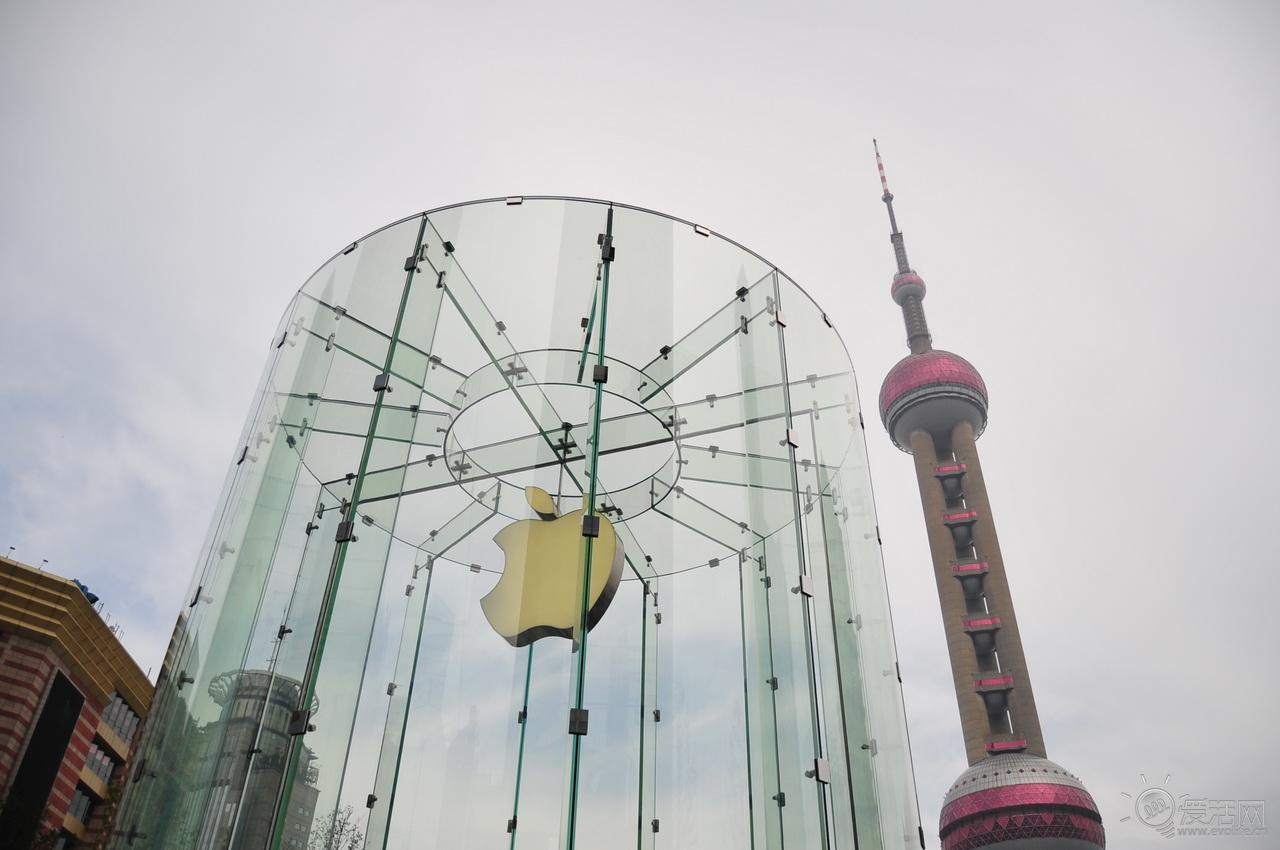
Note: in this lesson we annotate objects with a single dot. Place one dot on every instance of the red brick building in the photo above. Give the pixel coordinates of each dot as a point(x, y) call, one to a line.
point(71, 704)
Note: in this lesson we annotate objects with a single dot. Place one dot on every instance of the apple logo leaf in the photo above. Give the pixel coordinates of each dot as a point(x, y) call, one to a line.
point(541, 502)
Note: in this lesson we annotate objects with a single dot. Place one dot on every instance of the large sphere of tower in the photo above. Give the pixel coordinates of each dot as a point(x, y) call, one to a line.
point(932, 391)
point(1020, 802)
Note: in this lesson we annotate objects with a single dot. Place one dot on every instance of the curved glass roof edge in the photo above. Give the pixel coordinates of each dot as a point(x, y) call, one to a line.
point(582, 200)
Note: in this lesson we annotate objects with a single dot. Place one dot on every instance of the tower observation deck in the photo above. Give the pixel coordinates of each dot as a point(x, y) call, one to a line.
point(934, 405)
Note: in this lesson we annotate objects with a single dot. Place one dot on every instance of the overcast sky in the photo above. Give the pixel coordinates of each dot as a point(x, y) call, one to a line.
point(1090, 192)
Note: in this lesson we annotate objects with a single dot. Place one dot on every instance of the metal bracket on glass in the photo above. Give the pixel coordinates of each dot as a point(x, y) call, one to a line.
point(657, 617)
point(805, 587)
point(665, 351)
point(448, 247)
point(391, 689)
point(351, 248)
point(440, 279)
point(311, 526)
point(300, 723)
point(590, 525)
point(515, 370)
point(792, 439)
point(821, 771)
point(781, 797)
point(654, 824)
point(600, 374)
point(195, 600)
point(411, 263)
point(282, 631)
point(772, 682)
point(521, 716)
point(244, 453)
point(511, 825)
point(657, 715)
point(184, 679)
point(714, 562)
point(768, 582)
point(742, 294)
point(578, 721)
point(605, 241)
point(346, 532)
point(370, 800)
point(284, 337)
point(382, 382)
point(515, 201)
point(870, 747)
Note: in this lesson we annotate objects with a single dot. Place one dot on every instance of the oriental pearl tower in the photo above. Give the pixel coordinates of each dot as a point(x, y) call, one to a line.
point(934, 405)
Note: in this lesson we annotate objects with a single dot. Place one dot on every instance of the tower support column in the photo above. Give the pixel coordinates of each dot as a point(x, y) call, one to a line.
point(1022, 701)
point(964, 660)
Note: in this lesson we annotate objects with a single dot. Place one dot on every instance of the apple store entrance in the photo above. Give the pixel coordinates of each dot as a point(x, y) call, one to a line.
point(550, 527)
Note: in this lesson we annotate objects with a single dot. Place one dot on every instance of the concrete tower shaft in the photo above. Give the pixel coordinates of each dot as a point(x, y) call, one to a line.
point(988, 667)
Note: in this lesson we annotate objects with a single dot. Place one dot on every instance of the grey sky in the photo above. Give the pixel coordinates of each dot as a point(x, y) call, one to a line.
point(1088, 189)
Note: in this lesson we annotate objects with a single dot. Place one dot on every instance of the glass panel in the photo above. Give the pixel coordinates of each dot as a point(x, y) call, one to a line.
point(847, 550)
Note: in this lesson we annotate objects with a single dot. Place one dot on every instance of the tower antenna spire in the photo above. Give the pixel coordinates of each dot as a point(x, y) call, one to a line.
point(895, 235)
point(887, 197)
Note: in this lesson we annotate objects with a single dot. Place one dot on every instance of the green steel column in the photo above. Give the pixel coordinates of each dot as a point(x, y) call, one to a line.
point(335, 572)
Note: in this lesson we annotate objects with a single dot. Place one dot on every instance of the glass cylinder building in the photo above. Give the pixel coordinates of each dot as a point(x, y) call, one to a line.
point(550, 527)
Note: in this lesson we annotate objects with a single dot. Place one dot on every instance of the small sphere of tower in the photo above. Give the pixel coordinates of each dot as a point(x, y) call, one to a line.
point(906, 284)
